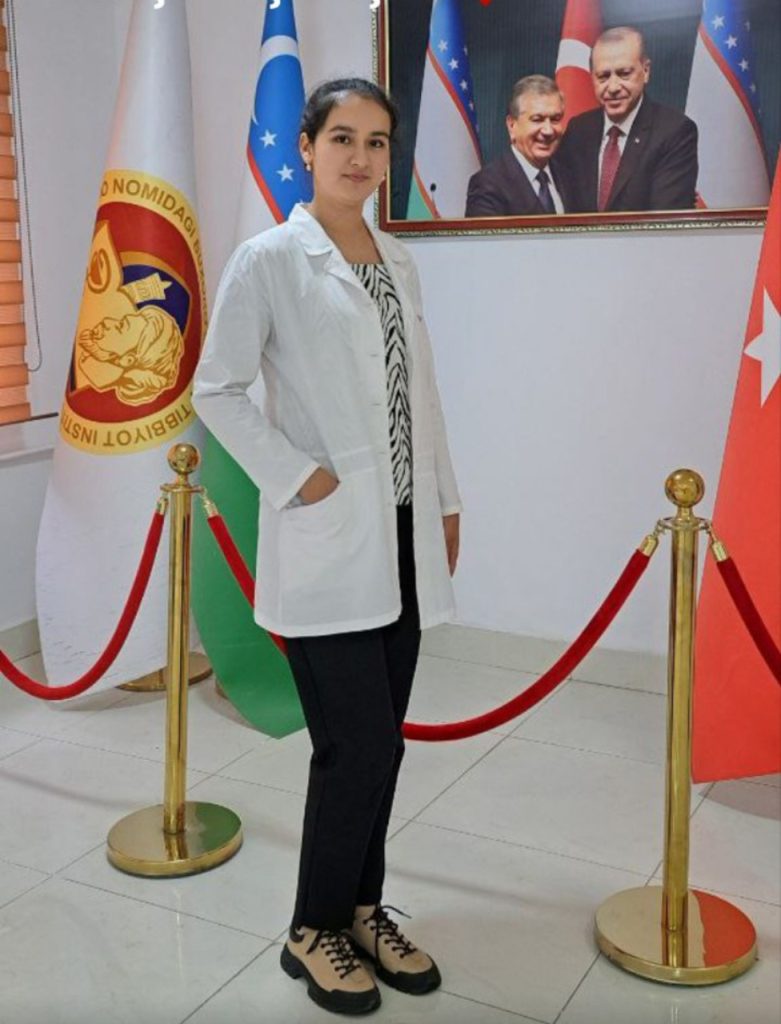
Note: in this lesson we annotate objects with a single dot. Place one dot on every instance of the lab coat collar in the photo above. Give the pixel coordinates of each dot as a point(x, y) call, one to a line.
point(316, 242)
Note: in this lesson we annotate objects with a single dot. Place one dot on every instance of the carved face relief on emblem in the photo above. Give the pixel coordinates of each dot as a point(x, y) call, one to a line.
point(121, 345)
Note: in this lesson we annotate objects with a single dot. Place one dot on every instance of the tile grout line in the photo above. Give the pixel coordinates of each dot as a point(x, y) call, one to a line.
point(27, 867)
point(33, 741)
point(584, 750)
point(492, 1006)
point(168, 910)
point(701, 800)
point(490, 750)
point(204, 772)
point(226, 983)
point(617, 686)
point(652, 876)
point(259, 785)
point(490, 664)
point(538, 672)
point(26, 892)
point(588, 971)
point(75, 860)
point(526, 846)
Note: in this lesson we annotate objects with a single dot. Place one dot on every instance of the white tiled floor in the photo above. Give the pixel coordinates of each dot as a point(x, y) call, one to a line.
point(501, 849)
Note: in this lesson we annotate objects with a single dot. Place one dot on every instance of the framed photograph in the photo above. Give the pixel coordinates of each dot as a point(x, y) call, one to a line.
point(572, 115)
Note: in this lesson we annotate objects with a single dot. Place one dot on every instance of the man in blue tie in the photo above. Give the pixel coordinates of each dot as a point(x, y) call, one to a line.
point(524, 180)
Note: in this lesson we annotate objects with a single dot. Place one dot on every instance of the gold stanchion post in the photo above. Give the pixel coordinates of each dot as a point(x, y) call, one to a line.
point(177, 837)
point(673, 933)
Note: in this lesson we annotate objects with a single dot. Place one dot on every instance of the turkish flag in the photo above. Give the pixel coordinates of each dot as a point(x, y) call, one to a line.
point(580, 29)
point(737, 702)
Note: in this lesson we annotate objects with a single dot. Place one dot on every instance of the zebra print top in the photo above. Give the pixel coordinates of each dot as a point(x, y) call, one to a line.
point(378, 283)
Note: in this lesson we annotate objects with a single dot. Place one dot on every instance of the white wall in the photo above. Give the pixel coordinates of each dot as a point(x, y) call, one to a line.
point(575, 371)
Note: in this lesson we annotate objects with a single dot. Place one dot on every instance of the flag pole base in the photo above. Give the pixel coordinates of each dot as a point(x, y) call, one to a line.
point(138, 845)
point(152, 682)
point(717, 943)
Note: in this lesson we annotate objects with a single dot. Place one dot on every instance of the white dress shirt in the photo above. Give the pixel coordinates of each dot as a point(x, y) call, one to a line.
point(531, 173)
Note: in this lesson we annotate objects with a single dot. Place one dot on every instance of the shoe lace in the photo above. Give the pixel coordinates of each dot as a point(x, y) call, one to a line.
point(338, 949)
point(388, 930)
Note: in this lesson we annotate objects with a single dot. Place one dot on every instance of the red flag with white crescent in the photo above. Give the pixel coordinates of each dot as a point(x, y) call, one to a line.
point(580, 29)
point(737, 701)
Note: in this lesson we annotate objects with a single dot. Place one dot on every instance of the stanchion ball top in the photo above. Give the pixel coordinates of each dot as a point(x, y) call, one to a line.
point(183, 458)
point(684, 487)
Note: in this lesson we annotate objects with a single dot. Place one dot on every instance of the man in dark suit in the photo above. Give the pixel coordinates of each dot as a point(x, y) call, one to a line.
point(631, 153)
point(524, 180)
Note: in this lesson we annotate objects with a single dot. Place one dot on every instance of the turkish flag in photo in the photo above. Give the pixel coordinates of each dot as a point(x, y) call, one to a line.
point(737, 701)
point(580, 29)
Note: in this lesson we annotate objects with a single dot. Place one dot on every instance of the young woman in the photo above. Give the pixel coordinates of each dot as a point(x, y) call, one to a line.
point(359, 517)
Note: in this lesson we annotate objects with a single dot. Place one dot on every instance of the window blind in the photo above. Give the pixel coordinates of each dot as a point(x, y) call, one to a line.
point(14, 375)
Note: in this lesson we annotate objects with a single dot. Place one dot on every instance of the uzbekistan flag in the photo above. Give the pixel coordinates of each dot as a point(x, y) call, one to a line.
point(275, 179)
point(737, 701)
point(580, 29)
point(723, 101)
point(127, 397)
point(253, 673)
point(447, 147)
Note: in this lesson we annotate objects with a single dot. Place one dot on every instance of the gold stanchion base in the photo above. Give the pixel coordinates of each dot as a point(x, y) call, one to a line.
point(138, 845)
point(200, 668)
point(718, 943)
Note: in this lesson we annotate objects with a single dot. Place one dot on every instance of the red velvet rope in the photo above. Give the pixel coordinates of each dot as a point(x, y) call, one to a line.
point(238, 567)
point(558, 672)
point(751, 617)
point(555, 675)
point(115, 644)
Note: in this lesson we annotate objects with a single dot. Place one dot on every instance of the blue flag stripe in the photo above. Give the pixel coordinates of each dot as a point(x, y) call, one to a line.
point(274, 128)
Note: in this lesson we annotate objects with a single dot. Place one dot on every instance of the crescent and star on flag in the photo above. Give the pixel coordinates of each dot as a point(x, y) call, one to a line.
point(766, 347)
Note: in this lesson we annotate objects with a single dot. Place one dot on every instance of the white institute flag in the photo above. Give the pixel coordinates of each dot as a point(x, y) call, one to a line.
point(447, 147)
point(127, 397)
point(723, 101)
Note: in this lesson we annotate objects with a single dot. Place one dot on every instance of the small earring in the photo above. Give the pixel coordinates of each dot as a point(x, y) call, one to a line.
point(308, 167)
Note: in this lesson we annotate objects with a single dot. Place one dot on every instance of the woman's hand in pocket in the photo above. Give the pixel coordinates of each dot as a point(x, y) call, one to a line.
point(319, 485)
point(451, 526)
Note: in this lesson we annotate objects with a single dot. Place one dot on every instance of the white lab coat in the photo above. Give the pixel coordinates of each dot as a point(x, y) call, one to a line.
point(290, 308)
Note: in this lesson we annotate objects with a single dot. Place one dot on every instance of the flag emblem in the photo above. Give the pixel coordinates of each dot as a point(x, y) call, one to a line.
point(142, 314)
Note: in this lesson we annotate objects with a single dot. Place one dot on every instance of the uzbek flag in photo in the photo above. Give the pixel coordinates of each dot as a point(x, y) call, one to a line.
point(580, 29)
point(127, 397)
point(723, 101)
point(254, 675)
point(447, 146)
point(737, 701)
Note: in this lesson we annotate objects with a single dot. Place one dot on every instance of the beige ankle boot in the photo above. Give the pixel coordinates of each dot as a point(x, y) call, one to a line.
point(337, 980)
point(396, 961)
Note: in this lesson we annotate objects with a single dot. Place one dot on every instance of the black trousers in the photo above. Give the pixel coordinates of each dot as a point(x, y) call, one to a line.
point(354, 689)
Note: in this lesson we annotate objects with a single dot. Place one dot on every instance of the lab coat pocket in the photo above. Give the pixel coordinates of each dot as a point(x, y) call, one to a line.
point(314, 540)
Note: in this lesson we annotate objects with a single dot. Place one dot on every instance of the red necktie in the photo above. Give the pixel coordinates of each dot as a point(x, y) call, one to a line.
point(611, 158)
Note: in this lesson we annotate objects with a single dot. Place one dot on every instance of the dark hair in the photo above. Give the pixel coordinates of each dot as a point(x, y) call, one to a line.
point(322, 100)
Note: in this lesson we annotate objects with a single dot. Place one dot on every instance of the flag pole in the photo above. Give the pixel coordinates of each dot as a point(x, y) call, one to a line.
point(672, 933)
point(178, 837)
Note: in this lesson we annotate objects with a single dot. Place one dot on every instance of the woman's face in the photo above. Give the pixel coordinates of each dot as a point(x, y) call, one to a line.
point(351, 152)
